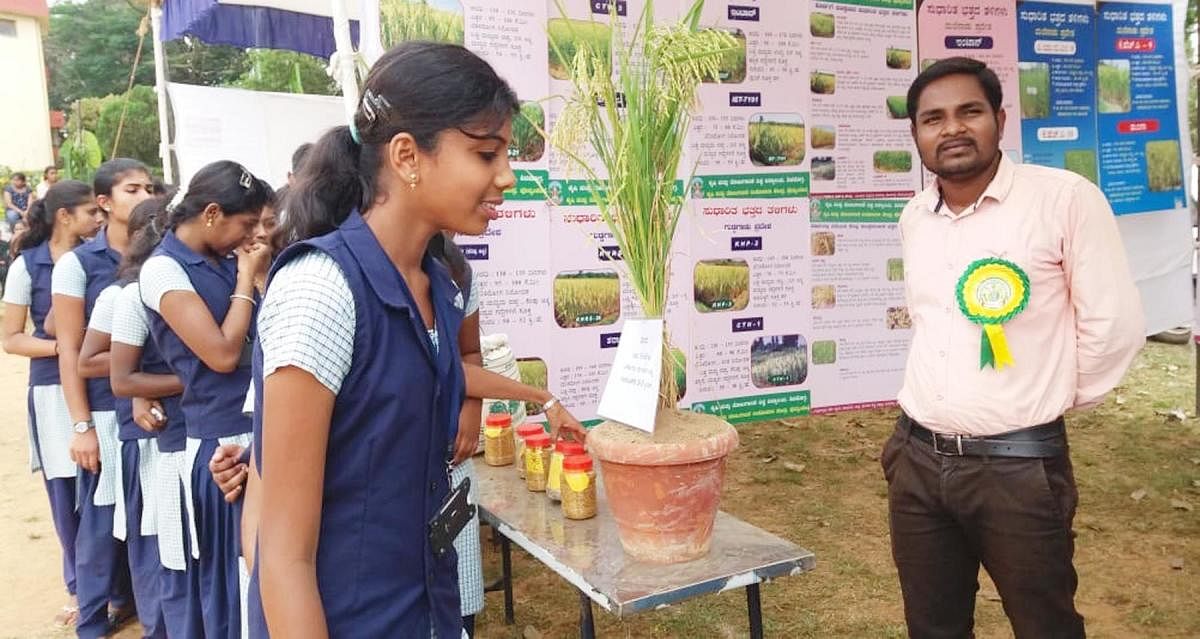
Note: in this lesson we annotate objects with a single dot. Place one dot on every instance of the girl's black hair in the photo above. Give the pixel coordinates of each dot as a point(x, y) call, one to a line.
point(443, 248)
point(147, 224)
point(66, 194)
point(226, 184)
point(419, 88)
point(112, 171)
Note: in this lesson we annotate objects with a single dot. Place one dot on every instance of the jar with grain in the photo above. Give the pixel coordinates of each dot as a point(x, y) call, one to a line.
point(537, 462)
point(524, 431)
point(562, 450)
point(498, 447)
point(578, 487)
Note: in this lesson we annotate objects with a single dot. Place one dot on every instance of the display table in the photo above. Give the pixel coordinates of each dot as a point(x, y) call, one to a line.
point(588, 554)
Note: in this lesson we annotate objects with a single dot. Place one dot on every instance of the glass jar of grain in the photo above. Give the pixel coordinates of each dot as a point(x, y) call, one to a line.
point(537, 462)
point(578, 487)
point(562, 450)
point(498, 446)
point(524, 431)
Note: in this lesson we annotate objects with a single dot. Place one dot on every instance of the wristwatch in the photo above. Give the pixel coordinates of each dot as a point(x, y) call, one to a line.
point(84, 426)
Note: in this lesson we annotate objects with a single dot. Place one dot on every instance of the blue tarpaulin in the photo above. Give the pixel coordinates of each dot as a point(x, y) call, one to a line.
point(252, 26)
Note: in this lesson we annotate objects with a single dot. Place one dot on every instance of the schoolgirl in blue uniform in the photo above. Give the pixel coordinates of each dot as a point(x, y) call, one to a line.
point(78, 279)
point(201, 302)
point(358, 376)
point(57, 223)
point(139, 371)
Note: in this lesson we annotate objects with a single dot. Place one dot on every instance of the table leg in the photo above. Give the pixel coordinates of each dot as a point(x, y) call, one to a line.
point(506, 563)
point(587, 625)
point(754, 605)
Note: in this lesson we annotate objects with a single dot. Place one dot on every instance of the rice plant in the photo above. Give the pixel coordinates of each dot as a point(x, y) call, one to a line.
point(898, 58)
point(824, 137)
point(780, 360)
point(895, 269)
point(898, 318)
point(823, 168)
point(680, 368)
point(533, 373)
point(568, 37)
point(732, 66)
point(1083, 162)
point(776, 143)
point(821, 25)
point(1034, 79)
point(893, 161)
point(721, 285)
point(897, 107)
point(587, 298)
point(823, 244)
point(405, 20)
point(824, 352)
point(527, 142)
point(1163, 165)
point(1112, 78)
point(822, 83)
point(824, 296)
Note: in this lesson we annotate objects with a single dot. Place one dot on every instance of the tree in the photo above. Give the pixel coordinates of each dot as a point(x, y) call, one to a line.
point(191, 61)
point(90, 49)
point(286, 72)
point(139, 133)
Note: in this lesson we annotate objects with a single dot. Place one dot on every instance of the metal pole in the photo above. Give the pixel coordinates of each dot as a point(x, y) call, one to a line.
point(160, 88)
point(349, 76)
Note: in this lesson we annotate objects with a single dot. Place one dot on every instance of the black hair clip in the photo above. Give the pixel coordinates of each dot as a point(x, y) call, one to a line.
point(246, 180)
point(374, 106)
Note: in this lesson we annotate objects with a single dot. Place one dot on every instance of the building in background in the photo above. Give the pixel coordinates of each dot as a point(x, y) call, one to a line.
point(24, 106)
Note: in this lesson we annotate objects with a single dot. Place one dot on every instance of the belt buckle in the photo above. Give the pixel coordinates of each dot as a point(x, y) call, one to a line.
point(955, 451)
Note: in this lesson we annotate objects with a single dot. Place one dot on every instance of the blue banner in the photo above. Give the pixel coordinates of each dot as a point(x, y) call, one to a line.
point(1141, 167)
point(1057, 70)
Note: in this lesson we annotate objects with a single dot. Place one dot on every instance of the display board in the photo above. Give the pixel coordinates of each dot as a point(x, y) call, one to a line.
point(787, 283)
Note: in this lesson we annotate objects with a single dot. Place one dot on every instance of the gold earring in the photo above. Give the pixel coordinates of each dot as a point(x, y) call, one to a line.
point(412, 180)
point(209, 224)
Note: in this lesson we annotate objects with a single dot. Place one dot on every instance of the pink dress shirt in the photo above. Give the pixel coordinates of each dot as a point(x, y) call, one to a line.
point(1072, 344)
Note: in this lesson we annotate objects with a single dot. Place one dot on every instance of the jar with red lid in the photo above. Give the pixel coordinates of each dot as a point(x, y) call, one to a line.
point(562, 450)
point(537, 461)
point(523, 431)
point(498, 446)
point(578, 487)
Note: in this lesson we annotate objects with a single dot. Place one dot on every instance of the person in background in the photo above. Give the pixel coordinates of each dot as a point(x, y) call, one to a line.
point(49, 179)
point(199, 290)
point(298, 157)
point(78, 279)
point(978, 468)
point(139, 371)
point(60, 221)
point(16, 199)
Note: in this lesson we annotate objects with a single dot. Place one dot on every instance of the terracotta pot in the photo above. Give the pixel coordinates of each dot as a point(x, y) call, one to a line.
point(664, 491)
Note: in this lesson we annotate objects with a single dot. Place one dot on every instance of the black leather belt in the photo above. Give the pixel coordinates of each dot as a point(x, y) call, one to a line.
point(1046, 440)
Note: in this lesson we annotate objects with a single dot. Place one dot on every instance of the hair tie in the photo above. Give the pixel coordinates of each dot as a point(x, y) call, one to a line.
point(354, 135)
point(176, 200)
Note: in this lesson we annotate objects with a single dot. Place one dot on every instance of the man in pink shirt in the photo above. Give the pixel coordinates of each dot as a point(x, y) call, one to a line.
point(1023, 308)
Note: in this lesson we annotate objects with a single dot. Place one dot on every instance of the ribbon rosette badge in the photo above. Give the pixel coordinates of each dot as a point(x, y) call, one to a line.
point(991, 292)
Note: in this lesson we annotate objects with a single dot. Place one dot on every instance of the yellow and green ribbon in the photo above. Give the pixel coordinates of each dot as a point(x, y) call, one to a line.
point(991, 292)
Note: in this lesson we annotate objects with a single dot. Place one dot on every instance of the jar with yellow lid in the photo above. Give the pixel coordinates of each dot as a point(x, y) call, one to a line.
point(562, 450)
point(537, 462)
point(524, 431)
point(498, 446)
point(578, 487)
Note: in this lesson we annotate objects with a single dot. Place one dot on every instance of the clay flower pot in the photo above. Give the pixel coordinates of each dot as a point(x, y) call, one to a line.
point(664, 490)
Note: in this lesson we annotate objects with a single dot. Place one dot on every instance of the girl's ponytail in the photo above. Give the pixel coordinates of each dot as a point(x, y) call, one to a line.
point(329, 186)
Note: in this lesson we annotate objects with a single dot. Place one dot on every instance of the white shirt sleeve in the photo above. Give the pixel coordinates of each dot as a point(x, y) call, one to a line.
point(160, 275)
point(18, 286)
point(102, 313)
point(68, 277)
point(472, 297)
point(129, 324)
point(248, 405)
point(308, 320)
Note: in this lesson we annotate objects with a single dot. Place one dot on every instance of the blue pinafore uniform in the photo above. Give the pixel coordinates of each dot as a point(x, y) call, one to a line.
point(386, 463)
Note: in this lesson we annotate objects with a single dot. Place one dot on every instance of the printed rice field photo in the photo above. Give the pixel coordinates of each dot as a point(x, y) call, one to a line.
point(534, 373)
point(568, 36)
point(822, 83)
point(776, 139)
point(1034, 79)
point(823, 243)
point(824, 352)
point(721, 285)
point(1163, 165)
point(1112, 78)
point(892, 161)
point(823, 168)
point(897, 107)
point(405, 20)
point(824, 136)
point(895, 269)
point(680, 371)
point(824, 296)
point(527, 144)
point(1083, 162)
point(587, 298)
point(897, 318)
point(898, 58)
point(779, 360)
point(821, 25)
point(732, 68)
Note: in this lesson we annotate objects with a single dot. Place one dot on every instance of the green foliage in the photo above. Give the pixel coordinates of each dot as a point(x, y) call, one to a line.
point(81, 155)
point(899, 58)
point(1163, 165)
point(587, 299)
point(721, 285)
point(191, 61)
point(1034, 78)
point(1083, 162)
point(527, 142)
point(897, 106)
point(405, 20)
point(285, 72)
point(824, 137)
point(139, 134)
point(732, 67)
point(776, 143)
point(822, 83)
point(893, 161)
point(1113, 79)
point(824, 352)
point(569, 37)
point(90, 48)
point(821, 25)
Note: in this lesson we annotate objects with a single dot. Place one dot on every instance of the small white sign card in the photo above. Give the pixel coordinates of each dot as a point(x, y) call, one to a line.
point(631, 393)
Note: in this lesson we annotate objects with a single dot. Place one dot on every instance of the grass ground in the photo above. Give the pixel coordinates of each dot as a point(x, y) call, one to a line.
point(836, 508)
